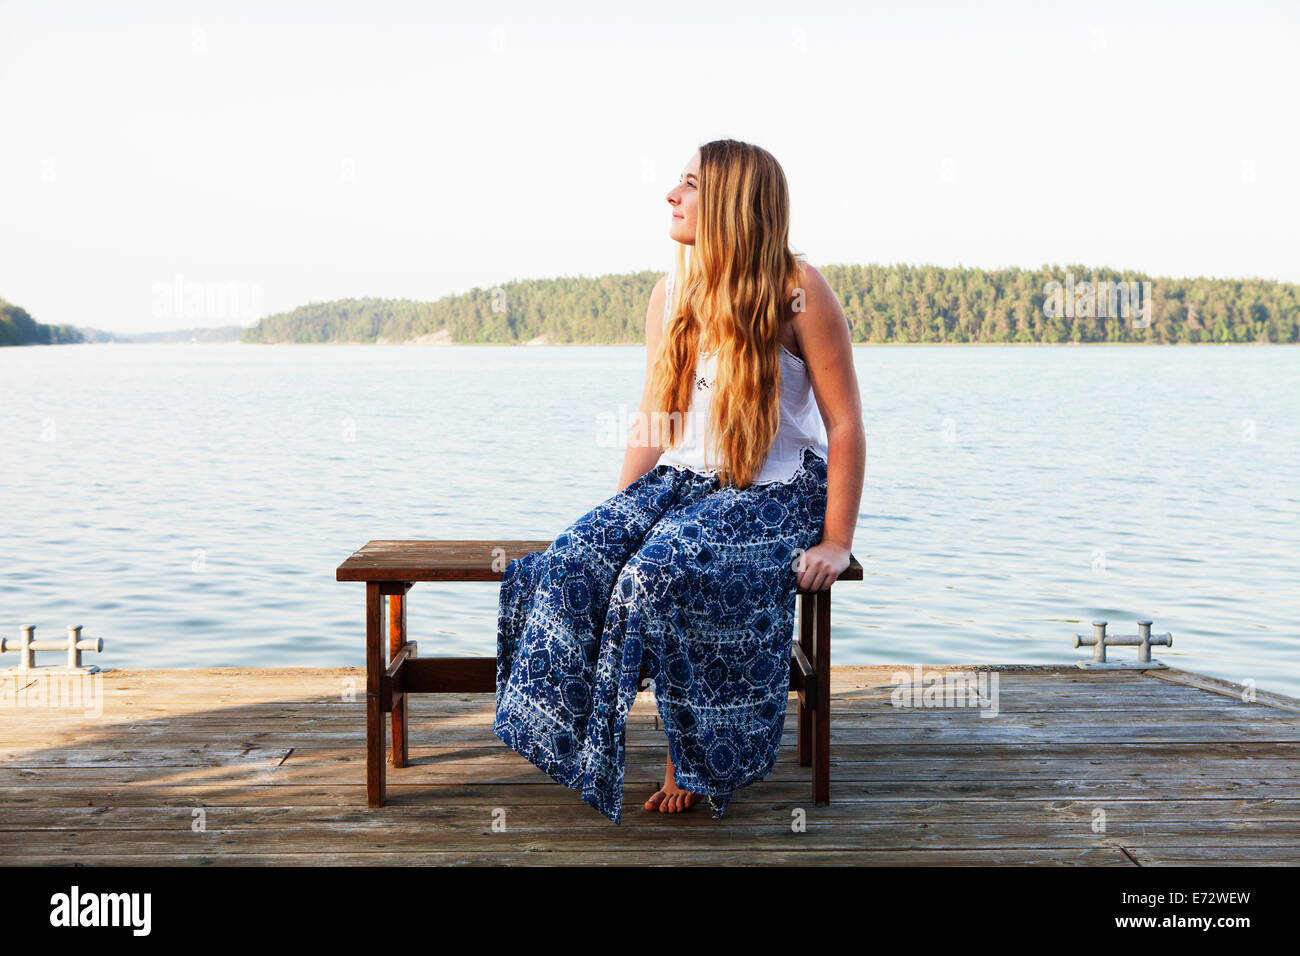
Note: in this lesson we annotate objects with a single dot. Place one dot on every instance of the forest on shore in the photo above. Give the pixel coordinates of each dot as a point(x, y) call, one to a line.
point(883, 304)
point(19, 328)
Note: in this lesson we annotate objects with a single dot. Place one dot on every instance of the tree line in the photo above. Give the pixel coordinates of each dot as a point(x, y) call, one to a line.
point(19, 328)
point(882, 303)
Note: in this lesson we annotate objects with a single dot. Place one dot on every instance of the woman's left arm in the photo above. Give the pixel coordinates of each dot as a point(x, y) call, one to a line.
point(822, 331)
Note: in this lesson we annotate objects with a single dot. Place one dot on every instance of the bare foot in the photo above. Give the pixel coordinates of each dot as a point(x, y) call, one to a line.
point(671, 798)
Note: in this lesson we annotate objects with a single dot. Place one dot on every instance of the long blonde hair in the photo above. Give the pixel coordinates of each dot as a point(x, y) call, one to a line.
point(740, 280)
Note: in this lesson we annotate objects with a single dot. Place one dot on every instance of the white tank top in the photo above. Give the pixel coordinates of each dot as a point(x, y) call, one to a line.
point(800, 426)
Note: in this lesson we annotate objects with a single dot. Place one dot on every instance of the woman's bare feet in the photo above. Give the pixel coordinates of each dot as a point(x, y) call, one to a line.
point(671, 798)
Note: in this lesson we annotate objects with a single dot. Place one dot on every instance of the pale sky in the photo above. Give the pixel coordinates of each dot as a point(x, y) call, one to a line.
point(307, 152)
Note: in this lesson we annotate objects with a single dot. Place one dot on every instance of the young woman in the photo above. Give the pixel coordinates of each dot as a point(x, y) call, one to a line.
point(729, 499)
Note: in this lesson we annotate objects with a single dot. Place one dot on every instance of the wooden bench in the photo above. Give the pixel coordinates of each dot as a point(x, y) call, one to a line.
point(390, 568)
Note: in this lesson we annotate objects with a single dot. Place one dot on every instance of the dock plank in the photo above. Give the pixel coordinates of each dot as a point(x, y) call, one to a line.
point(1186, 769)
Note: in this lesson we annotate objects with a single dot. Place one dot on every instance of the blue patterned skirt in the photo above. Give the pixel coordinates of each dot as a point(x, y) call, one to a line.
point(693, 579)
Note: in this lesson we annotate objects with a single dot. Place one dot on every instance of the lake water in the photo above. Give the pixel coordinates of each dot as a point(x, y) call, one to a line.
point(189, 503)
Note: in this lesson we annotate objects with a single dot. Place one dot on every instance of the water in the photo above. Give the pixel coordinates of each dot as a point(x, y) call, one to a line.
point(190, 503)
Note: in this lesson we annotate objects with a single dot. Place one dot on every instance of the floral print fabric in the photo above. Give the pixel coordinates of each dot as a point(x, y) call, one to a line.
point(694, 579)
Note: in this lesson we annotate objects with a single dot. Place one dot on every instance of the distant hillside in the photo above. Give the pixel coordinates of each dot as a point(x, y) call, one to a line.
point(898, 304)
point(19, 328)
point(883, 304)
point(220, 333)
point(605, 310)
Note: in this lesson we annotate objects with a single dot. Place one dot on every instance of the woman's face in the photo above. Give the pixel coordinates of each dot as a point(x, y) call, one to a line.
point(683, 200)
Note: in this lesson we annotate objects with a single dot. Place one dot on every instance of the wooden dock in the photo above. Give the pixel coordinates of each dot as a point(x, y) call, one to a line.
point(267, 766)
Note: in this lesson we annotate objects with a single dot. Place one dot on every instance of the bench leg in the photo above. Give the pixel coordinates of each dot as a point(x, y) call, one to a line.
point(815, 724)
point(822, 733)
point(805, 715)
point(375, 667)
point(396, 638)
